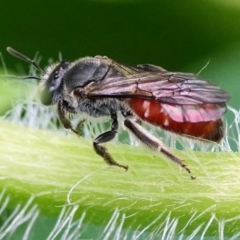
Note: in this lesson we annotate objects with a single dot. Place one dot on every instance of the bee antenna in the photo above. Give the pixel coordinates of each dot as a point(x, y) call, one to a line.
point(23, 77)
point(24, 58)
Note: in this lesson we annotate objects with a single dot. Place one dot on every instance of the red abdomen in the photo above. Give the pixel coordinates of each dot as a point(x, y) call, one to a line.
point(196, 121)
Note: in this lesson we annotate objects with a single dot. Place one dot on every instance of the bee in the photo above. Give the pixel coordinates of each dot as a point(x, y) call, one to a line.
point(98, 86)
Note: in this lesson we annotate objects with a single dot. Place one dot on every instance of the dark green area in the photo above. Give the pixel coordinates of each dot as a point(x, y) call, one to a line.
point(170, 33)
point(177, 35)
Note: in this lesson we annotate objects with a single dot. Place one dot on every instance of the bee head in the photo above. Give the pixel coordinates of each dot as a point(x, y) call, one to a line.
point(51, 80)
point(51, 83)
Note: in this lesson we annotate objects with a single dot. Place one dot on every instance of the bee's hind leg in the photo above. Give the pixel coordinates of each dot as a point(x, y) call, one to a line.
point(152, 142)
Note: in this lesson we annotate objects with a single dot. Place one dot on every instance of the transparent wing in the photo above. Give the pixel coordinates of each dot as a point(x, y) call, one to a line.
point(165, 87)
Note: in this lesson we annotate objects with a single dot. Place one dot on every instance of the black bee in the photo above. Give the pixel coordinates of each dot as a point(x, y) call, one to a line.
point(99, 86)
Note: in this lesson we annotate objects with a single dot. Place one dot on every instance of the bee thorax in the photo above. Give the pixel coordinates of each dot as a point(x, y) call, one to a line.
point(94, 107)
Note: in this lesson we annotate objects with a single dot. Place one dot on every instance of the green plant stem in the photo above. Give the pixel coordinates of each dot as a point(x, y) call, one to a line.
point(48, 164)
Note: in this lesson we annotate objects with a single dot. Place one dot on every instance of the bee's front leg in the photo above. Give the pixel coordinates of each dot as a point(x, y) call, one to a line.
point(106, 137)
point(62, 112)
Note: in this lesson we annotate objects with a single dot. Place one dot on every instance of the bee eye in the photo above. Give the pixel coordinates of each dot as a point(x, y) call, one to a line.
point(56, 75)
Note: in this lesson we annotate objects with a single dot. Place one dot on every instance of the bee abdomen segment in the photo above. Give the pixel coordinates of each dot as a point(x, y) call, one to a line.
point(191, 121)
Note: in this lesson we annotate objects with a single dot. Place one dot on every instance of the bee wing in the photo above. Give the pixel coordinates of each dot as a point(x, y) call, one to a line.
point(165, 87)
point(181, 96)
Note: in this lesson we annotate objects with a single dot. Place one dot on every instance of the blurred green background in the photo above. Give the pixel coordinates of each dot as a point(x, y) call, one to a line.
point(177, 35)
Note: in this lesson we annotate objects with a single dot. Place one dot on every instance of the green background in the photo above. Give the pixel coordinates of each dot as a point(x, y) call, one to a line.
point(177, 35)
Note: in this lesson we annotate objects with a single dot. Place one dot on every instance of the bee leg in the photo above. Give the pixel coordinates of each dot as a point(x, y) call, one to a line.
point(79, 127)
point(106, 137)
point(63, 118)
point(152, 142)
point(151, 68)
